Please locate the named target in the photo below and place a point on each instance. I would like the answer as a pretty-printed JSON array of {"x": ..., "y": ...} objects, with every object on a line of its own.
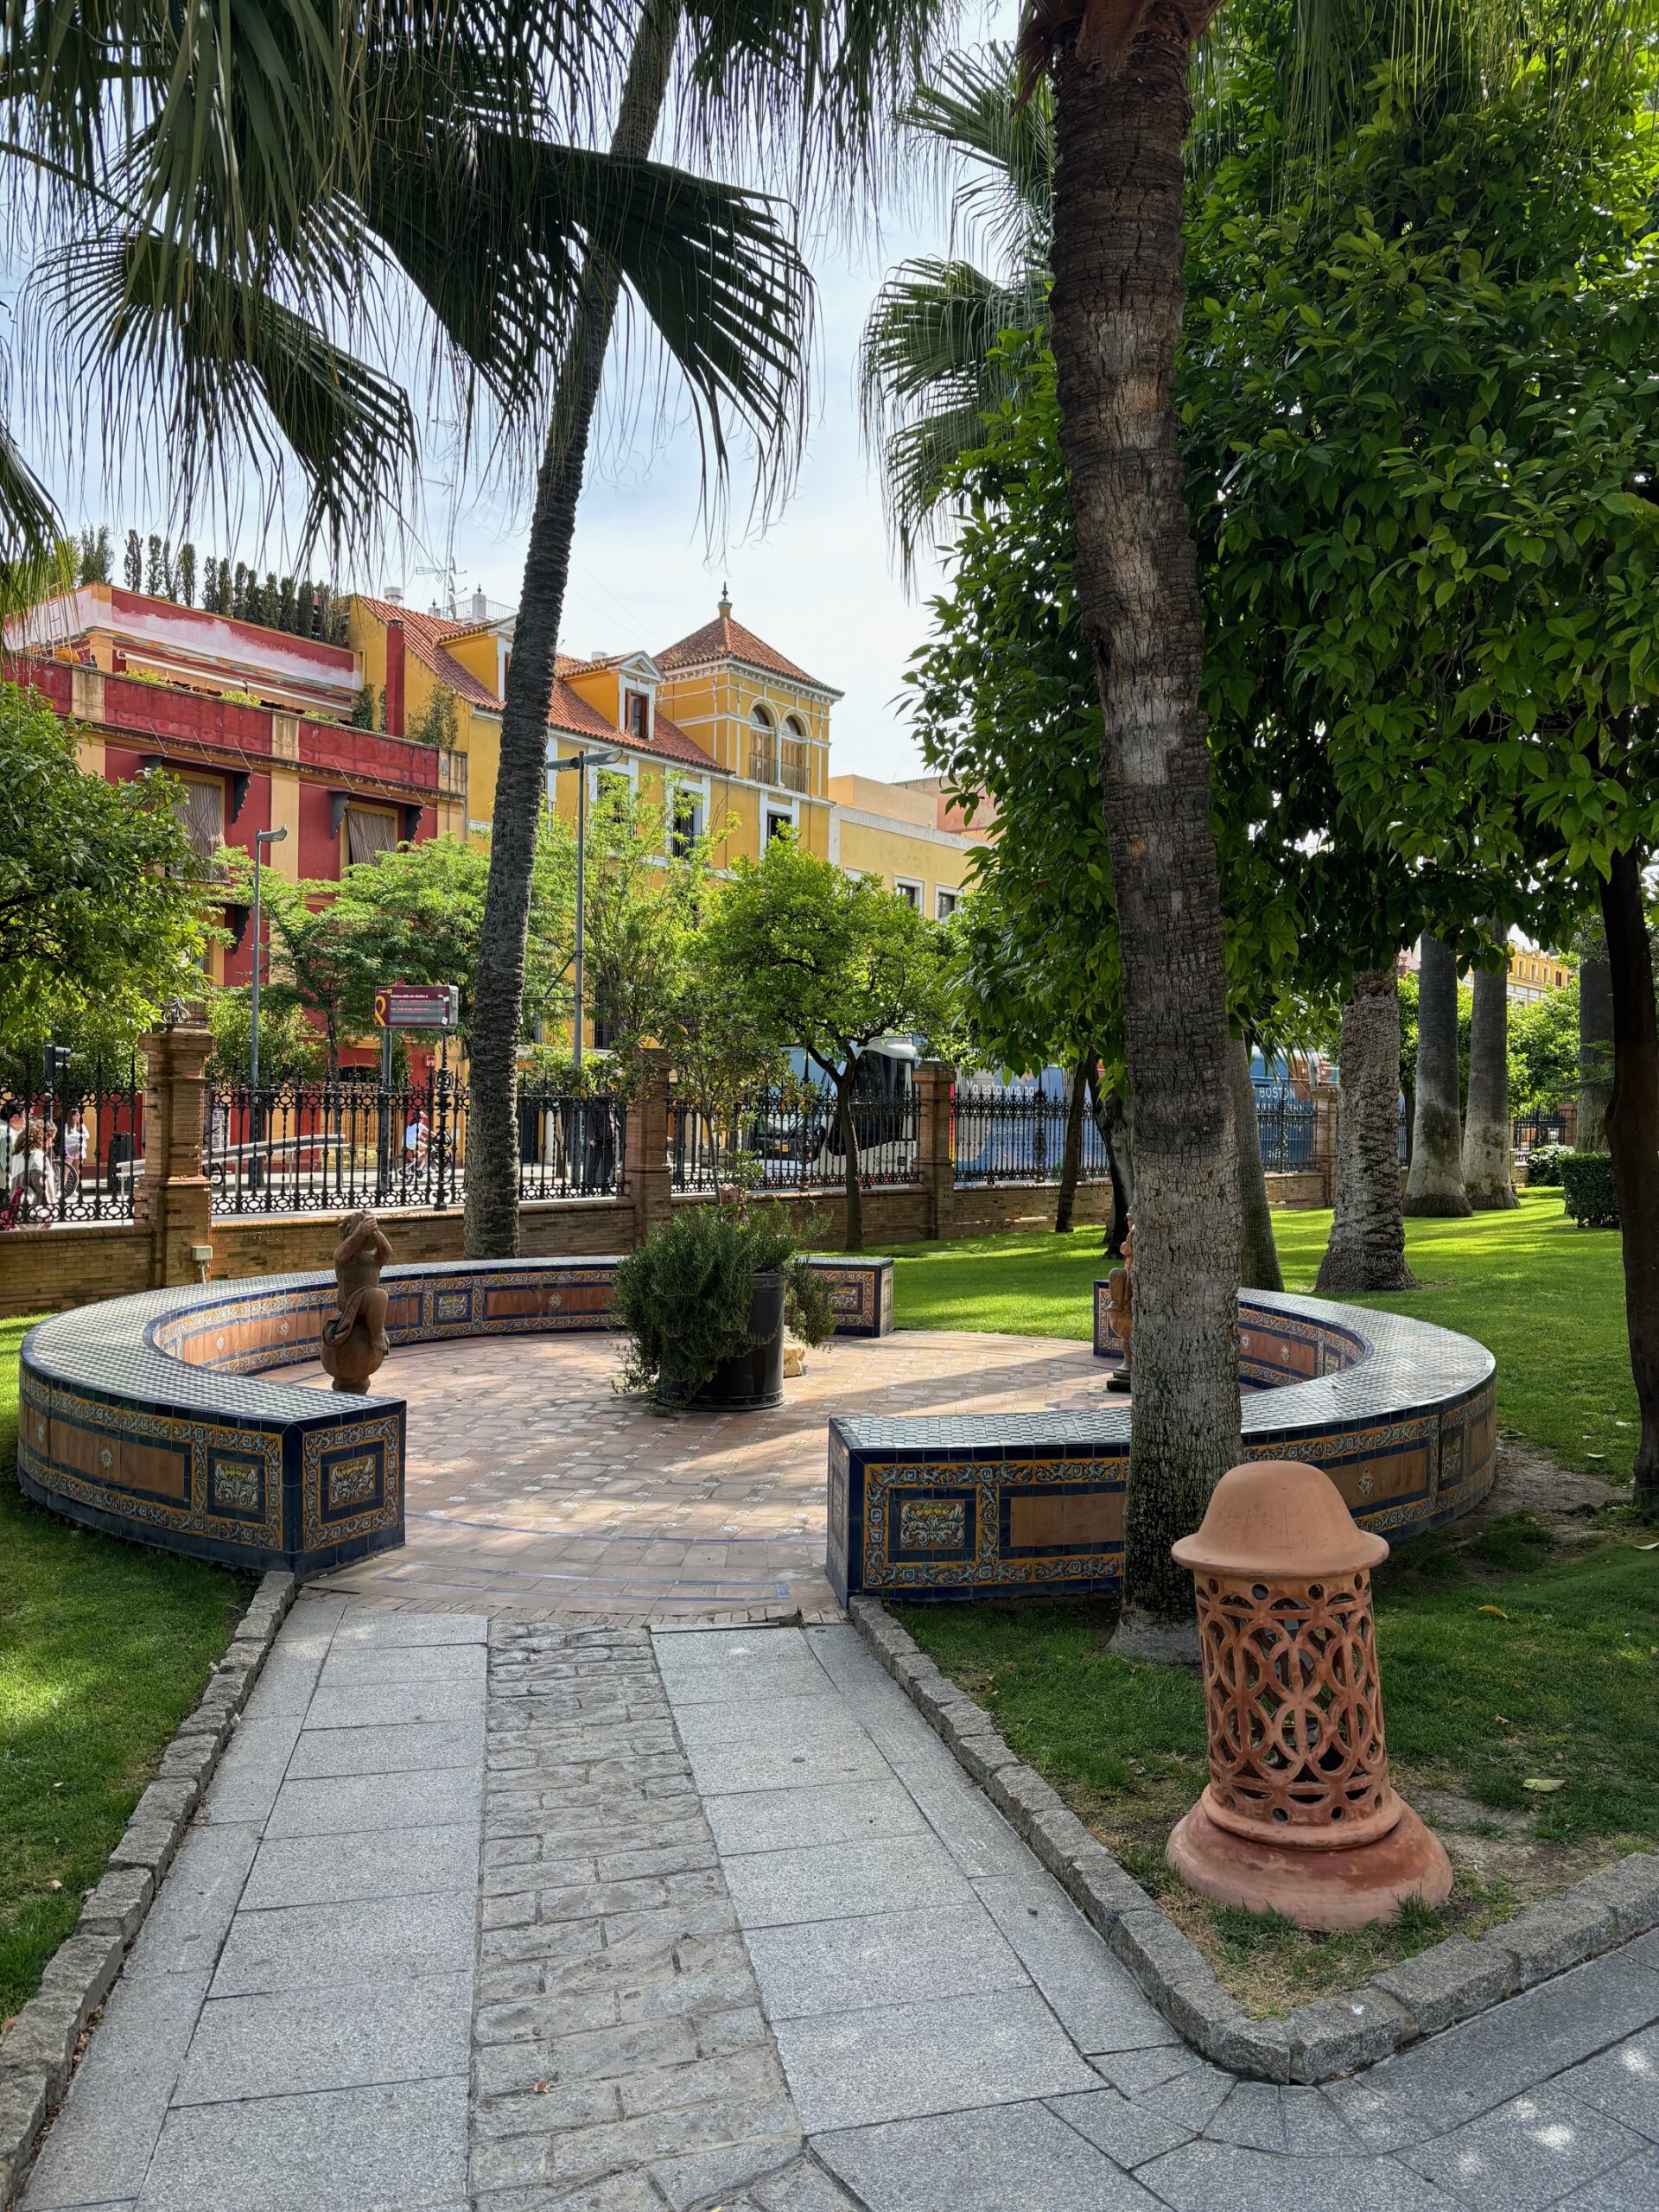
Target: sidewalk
[{"x": 515, "y": 1916}]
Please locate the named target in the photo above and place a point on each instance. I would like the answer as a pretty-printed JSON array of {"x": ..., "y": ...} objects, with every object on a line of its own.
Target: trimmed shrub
[
  {"x": 1587, "y": 1189},
  {"x": 1544, "y": 1165}
]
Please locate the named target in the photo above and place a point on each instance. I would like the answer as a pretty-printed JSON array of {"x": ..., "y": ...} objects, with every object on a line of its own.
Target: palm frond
[
  {"x": 968, "y": 115},
  {"x": 929, "y": 375},
  {"x": 714, "y": 272},
  {"x": 227, "y": 376}
]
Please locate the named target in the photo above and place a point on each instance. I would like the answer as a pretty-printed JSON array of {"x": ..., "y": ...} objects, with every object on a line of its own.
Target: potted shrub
[{"x": 705, "y": 1298}]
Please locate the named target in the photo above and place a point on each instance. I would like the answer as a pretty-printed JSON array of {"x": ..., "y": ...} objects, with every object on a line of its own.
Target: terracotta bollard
[{"x": 1299, "y": 1816}]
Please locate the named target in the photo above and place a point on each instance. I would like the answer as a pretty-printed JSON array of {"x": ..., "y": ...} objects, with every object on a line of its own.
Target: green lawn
[
  {"x": 1546, "y": 1297},
  {"x": 1513, "y": 1656},
  {"x": 104, "y": 1649}
]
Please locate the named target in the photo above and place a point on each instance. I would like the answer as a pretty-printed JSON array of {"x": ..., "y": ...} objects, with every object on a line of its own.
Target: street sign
[{"x": 416, "y": 1005}]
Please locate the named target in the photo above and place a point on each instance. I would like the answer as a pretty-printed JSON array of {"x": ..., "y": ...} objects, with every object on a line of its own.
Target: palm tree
[
  {"x": 1367, "y": 1250},
  {"x": 1486, "y": 1134},
  {"x": 1434, "y": 1184},
  {"x": 836, "y": 73},
  {"x": 928, "y": 369},
  {"x": 239, "y": 227}
]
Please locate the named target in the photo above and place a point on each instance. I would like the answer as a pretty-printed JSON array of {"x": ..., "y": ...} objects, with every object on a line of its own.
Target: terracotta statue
[
  {"x": 1120, "y": 1291},
  {"x": 354, "y": 1339}
]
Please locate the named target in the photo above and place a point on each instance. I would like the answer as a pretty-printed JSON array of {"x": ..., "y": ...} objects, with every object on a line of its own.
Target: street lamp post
[
  {"x": 580, "y": 762},
  {"x": 261, "y": 838}
]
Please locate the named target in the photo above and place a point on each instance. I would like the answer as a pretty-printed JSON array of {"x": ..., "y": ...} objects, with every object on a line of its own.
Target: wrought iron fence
[
  {"x": 793, "y": 1135},
  {"x": 72, "y": 1144},
  {"x": 1020, "y": 1137},
  {"x": 1528, "y": 1131},
  {"x": 320, "y": 1147},
  {"x": 1285, "y": 1125}
]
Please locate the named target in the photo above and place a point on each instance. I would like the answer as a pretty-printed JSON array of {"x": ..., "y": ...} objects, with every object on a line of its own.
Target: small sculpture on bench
[
  {"x": 1120, "y": 1291},
  {"x": 354, "y": 1340}
]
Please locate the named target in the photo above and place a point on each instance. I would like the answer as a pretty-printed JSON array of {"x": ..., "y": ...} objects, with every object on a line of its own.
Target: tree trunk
[
  {"x": 1112, "y": 1120},
  {"x": 1595, "y": 1051},
  {"x": 1434, "y": 1186},
  {"x": 1072, "y": 1159},
  {"x": 853, "y": 1195},
  {"x": 1633, "y": 1140},
  {"x": 1486, "y": 1132},
  {"x": 1258, "y": 1257},
  {"x": 1367, "y": 1249},
  {"x": 1116, "y": 316},
  {"x": 492, "y": 1132}
]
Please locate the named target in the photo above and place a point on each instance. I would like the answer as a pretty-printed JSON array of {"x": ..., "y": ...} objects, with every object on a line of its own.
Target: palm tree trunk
[
  {"x": 1486, "y": 1134},
  {"x": 1112, "y": 1120},
  {"x": 1633, "y": 1140},
  {"x": 1434, "y": 1186},
  {"x": 1258, "y": 1257},
  {"x": 1117, "y": 300},
  {"x": 1066, "y": 1198},
  {"x": 1367, "y": 1249},
  {"x": 853, "y": 1196},
  {"x": 492, "y": 1145},
  {"x": 1595, "y": 1051}
]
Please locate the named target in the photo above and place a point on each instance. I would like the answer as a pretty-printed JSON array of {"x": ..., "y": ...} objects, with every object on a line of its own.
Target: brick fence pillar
[
  {"x": 1325, "y": 1140},
  {"x": 172, "y": 1199},
  {"x": 934, "y": 1083},
  {"x": 650, "y": 1185}
]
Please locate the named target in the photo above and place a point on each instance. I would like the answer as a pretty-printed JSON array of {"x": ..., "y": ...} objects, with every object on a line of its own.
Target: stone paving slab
[
  {"x": 273, "y": 2044},
  {"x": 640, "y": 1931}
]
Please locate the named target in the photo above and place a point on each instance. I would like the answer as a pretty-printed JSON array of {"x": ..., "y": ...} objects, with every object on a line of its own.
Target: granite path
[{"x": 510, "y": 1916}]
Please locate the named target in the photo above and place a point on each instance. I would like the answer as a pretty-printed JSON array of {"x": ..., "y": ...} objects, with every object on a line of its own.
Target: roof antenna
[{"x": 725, "y": 599}]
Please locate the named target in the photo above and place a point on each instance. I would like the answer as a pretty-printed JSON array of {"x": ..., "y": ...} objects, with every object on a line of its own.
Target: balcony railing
[{"x": 783, "y": 765}]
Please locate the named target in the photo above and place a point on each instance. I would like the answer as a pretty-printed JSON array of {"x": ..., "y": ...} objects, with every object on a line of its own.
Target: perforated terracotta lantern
[{"x": 1299, "y": 1816}]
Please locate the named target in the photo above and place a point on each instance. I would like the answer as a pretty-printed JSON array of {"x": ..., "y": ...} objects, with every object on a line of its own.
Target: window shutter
[{"x": 368, "y": 835}]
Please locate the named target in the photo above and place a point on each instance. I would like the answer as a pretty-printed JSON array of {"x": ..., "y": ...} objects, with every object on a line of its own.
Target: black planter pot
[{"x": 755, "y": 1378}]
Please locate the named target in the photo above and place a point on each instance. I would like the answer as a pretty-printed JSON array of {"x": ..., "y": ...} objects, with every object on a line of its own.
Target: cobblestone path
[{"x": 499, "y": 1917}]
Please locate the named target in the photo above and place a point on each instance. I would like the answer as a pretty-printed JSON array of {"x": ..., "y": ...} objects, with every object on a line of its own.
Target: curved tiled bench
[
  {"x": 1397, "y": 1412},
  {"x": 147, "y": 1417}
]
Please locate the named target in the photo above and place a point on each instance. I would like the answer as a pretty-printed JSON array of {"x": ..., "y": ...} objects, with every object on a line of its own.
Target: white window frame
[
  {"x": 941, "y": 912},
  {"x": 699, "y": 787},
  {"x": 627, "y": 768},
  {"x": 904, "y": 884},
  {"x": 772, "y": 812}
]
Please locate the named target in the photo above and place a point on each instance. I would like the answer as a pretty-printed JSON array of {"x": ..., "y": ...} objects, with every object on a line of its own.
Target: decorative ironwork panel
[
  {"x": 1020, "y": 1137},
  {"x": 792, "y": 1134},
  {"x": 71, "y": 1137}
]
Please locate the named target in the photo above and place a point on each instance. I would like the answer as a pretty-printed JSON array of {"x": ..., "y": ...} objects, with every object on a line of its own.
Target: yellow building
[
  {"x": 907, "y": 836},
  {"x": 720, "y": 729},
  {"x": 1533, "y": 974}
]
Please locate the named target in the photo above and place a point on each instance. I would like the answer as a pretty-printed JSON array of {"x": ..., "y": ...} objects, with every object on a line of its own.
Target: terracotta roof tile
[
  {"x": 724, "y": 639},
  {"x": 426, "y": 637}
]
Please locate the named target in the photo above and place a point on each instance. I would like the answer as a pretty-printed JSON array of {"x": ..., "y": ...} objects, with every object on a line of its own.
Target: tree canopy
[{"x": 104, "y": 908}]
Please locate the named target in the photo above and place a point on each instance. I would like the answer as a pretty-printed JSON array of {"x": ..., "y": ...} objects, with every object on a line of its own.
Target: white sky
[{"x": 819, "y": 583}]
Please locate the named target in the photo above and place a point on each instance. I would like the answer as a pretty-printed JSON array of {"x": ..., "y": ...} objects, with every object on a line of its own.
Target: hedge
[
  {"x": 1544, "y": 1164},
  {"x": 1588, "y": 1189}
]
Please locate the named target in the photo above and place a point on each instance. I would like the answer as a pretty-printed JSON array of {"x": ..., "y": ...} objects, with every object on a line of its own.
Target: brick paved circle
[{"x": 536, "y": 1491}]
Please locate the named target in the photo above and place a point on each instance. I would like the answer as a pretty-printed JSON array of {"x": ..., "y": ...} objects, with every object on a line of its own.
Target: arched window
[
  {"x": 793, "y": 770},
  {"x": 763, "y": 746}
]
